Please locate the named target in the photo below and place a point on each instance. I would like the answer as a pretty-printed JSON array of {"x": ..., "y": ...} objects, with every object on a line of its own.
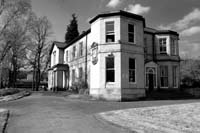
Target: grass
[
  {"x": 182, "y": 118},
  {"x": 3, "y": 119}
]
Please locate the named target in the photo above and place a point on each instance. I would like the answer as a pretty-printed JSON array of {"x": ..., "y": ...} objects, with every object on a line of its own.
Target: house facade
[{"x": 118, "y": 57}]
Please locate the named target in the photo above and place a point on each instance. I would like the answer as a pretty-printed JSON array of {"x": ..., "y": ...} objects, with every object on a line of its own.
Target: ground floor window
[
  {"x": 80, "y": 73},
  {"x": 174, "y": 73},
  {"x": 110, "y": 69},
  {"x": 163, "y": 76},
  {"x": 132, "y": 70},
  {"x": 73, "y": 75}
]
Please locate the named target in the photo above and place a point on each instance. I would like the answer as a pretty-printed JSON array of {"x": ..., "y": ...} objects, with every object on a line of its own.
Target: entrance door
[
  {"x": 151, "y": 82},
  {"x": 151, "y": 78}
]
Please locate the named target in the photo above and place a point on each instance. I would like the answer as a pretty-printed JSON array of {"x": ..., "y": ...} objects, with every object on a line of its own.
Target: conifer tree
[{"x": 72, "y": 29}]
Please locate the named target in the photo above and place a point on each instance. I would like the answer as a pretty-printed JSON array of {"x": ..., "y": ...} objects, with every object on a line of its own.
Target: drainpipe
[
  {"x": 86, "y": 59},
  {"x": 154, "y": 46}
]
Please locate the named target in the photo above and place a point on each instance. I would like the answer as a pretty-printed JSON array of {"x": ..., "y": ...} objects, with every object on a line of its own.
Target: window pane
[
  {"x": 80, "y": 72},
  {"x": 164, "y": 76},
  {"x": 110, "y": 76},
  {"x": 110, "y": 63},
  {"x": 130, "y": 28},
  {"x": 131, "y": 63},
  {"x": 162, "y": 42},
  {"x": 81, "y": 49},
  {"x": 109, "y": 27},
  {"x": 131, "y": 75},
  {"x": 110, "y": 35},
  {"x": 110, "y": 72},
  {"x": 131, "y": 37},
  {"x": 110, "y": 38},
  {"x": 73, "y": 75}
]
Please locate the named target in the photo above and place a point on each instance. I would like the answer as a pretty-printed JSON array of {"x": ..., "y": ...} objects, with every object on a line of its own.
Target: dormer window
[
  {"x": 131, "y": 35},
  {"x": 163, "y": 45},
  {"x": 110, "y": 32}
]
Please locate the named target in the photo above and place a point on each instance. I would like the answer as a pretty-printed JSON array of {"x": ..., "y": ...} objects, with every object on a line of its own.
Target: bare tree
[
  {"x": 10, "y": 12},
  {"x": 40, "y": 31}
]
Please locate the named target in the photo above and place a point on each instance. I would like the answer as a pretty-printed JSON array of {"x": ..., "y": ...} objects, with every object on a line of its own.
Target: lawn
[
  {"x": 3, "y": 119},
  {"x": 182, "y": 118}
]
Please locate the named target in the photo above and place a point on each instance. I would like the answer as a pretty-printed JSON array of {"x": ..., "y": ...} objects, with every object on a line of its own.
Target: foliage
[
  {"x": 10, "y": 91},
  {"x": 40, "y": 31},
  {"x": 72, "y": 30},
  {"x": 14, "y": 16},
  {"x": 190, "y": 73},
  {"x": 79, "y": 87}
]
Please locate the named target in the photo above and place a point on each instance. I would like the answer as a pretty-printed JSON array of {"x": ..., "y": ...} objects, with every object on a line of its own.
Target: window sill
[
  {"x": 164, "y": 87},
  {"x": 110, "y": 83},
  {"x": 132, "y": 82}
]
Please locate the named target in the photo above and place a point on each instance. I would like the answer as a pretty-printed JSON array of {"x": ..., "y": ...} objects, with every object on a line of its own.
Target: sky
[{"x": 182, "y": 16}]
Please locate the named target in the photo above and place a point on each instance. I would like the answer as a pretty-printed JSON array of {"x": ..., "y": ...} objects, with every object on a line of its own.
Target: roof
[
  {"x": 118, "y": 13},
  {"x": 60, "y": 45},
  {"x": 154, "y": 31},
  {"x": 167, "y": 32}
]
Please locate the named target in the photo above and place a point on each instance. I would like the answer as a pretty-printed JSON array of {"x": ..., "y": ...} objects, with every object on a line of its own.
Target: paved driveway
[{"x": 53, "y": 114}]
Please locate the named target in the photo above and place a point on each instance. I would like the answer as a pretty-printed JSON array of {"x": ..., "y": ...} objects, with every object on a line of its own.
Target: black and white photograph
[{"x": 99, "y": 66}]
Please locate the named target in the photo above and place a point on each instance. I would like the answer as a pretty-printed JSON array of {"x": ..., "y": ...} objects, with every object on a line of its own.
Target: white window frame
[
  {"x": 134, "y": 70},
  {"x": 107, "y": 33},
  {"x": 162, "y": 45},
  {"x": 154, "y": 74},
  {"x": 174, "y": 76},
  {"x": 131, "y": 33},
  {"x": 110, "y": 69},
  {"x": 73, "y": 52},
  {"x": 54, "y": 58},
  {"x": 164, "y": 76},
  {"x": 173, "y": 46},
  {"x": 73, "y": 75},
  {"x": 81, "y": 49},
  {"x": 66, "y": 56},
  {"x": 80, "y": 73}
]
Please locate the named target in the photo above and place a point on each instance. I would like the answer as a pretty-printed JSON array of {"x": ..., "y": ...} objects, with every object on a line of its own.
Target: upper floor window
[
  {"x": 81, "y": 48},
  {"x": 110, "y": 32},
  {"x": 163, "y": 45},
  {"x": 110, "y": 69},
  {"x": 131, "y": 34},
  {"x": 54, "y": 57},
  {"x": 132, "y": 70},
  {"x": 163, "y": 76},
  {"x": 173, "y": 47},
  {"x": 66, "y": 56},
  {"x": 74, "y": 52}
]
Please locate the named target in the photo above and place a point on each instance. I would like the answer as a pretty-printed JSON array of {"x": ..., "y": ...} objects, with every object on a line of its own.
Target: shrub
[
  {"x": 79, "y": 87},
  {"x": 8, "y": 91}
]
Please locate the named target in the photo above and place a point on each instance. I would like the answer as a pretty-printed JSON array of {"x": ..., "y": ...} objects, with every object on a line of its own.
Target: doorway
[{"x": 151, "y": 79}]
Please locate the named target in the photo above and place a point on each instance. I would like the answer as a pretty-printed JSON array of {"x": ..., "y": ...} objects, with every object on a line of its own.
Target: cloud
[
  {"x": 114, "y": 3},
  {"x": 191, "y": 31},
  {"x": 137, "y": 9},
  {"x": 187, "y": 21}
]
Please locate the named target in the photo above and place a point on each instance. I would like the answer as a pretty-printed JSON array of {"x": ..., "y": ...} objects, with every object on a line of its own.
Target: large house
[{"x": 119, "y": 57}]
